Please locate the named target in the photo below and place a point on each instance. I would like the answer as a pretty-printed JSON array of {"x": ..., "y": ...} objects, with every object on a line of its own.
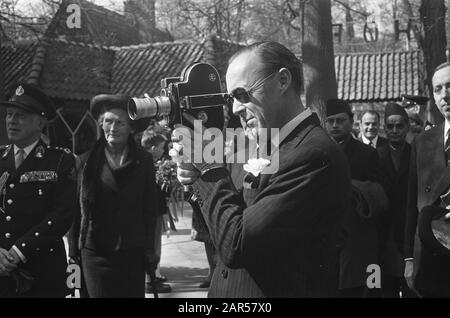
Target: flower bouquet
[
  {"x": 166, "y": 179},
  {"x": 166, "y": 176}
]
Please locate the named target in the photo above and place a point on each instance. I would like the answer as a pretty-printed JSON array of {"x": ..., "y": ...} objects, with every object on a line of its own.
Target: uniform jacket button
[
  {"x": 224, "y": 273},
  {"x": 8, "y": 235},
  {"x": 10, "y": 201},
  {"x": 49, "y": 223},
  {"x": 8, "y": 218},
  {"x": 428, "y": 189},
  {"x": 11, "y": 186},
  {"x": 23, "y": 244}
]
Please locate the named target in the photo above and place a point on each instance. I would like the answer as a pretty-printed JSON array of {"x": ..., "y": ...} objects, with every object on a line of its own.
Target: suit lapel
[
  {"x": 290, "y": 142},
  {"x": 7, "y": 160},
  {"x": 385, "y": 153},
  {"x": 108, "y": 178},
  {"x": 404, "y": 161},
  {"x": 434, "y": 150}
]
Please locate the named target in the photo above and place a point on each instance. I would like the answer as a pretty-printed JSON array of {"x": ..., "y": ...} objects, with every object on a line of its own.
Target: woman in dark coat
[{"x": 118, "y": 206}]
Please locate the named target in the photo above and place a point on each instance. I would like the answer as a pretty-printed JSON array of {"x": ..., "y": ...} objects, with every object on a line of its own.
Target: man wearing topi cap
[
  {"x": 38, "y": 198},
  {"x": 394, "y": 158},
  {"x": 359, "y": 233}
]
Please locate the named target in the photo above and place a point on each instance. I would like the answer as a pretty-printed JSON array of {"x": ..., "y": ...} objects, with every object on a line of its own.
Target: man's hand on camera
[
  {"x": 188, "y": 151},
  {"x": 182, "y": 136},
  {"x": 187, "y": 173}
]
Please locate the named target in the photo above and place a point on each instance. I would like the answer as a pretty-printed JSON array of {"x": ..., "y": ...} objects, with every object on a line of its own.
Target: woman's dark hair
[{"x": 275, "y": 56}]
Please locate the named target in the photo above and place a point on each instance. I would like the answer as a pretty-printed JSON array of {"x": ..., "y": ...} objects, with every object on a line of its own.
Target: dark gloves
[{"x": 23, "y": 280}]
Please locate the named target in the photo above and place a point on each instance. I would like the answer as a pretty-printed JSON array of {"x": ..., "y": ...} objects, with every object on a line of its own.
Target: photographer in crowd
[{"x": 281, "y": 241}]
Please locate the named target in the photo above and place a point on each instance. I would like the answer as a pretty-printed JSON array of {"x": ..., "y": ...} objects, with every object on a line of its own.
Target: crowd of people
[{"x": 337, "y": 204}]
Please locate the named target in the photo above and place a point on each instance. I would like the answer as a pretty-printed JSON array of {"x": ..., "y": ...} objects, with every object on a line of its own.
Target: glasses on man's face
[
  {"x": 398, "y": 126},
  {"x": 242, "y": 95}
]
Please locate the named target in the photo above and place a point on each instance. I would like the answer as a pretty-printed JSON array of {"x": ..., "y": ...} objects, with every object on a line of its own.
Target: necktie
[
  {"x": 370, "y": 143},
  {"x": 20, "y": 157},
  {"x": 447, "y": 148}
]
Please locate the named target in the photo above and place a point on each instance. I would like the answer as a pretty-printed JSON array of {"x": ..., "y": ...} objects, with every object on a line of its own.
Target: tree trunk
[
  {"x": 349, "y": 25},
  {"x": 3, "y": 136},
  {"x": 432, "y": 14},
  {"x": 416, "y": 31},
  {"x": 318, "y": 56},
  {"x": 2, "y": 78}
]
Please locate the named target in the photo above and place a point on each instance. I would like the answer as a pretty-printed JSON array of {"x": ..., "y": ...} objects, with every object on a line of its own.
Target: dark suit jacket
[
  {"x": 428, "y": 179},
  {"x": 393, "y": 222},
  {"x": 380, "y": 142},
  {"x": 281, "y": 240},
  {"x": 360, "y": 236},
  {"x": 39, "y": 202}
]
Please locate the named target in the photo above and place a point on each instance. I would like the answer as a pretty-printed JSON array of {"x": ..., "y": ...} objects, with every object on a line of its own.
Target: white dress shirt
[
  {"x": 27, "y": 150},
  {"x": 446, "y": 128},
  {"x": 367, "y": 141}
]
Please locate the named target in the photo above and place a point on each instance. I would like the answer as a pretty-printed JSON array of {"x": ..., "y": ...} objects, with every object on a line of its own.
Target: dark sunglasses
[
  {"x": 392, "y": 126},
  {"x": 242, "y": 95}
]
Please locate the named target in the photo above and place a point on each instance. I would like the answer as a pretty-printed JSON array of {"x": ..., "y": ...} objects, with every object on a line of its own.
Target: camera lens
[{"x": 148, "y": 107}]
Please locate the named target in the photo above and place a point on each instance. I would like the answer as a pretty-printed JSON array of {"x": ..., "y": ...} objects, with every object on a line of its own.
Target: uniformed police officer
[
  {"x": 415, "y": 107},
  {"x": 37, "y": 200}
]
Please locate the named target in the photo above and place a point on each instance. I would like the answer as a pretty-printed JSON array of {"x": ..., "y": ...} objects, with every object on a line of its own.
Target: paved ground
[{"x": 183, "y": 260}]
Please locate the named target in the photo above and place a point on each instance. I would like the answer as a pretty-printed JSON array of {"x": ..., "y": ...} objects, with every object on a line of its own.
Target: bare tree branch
[{"x": 347, "y": 7}]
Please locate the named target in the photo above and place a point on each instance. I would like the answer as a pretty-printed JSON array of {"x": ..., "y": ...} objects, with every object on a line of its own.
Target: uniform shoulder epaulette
[
  {"x": 4, "y": 150},
  {"x": 66, "y": 150}
]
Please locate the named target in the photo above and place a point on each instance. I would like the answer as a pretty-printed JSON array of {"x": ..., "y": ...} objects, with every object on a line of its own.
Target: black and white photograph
[{"x": 224, "y": 153}]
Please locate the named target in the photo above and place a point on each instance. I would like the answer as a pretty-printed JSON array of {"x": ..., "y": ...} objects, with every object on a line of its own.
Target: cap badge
[{"x": 20, "y": 90}]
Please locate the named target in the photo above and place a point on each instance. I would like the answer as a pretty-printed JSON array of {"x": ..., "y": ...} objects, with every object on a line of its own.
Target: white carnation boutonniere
[{"x": 254, "y": 167}]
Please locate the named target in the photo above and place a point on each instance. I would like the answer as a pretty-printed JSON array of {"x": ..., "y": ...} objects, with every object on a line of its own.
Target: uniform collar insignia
[
  {"x": 20, "y": 90},
  {"x": 6, "y": 151},
  {"x": 39, "y": 152}
]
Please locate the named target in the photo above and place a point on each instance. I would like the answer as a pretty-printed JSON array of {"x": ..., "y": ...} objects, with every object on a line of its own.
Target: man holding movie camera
[{"x": 279, "y": 238}]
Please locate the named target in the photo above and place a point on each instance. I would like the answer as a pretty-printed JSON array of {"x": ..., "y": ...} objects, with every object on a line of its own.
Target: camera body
[{"x": 196, "y": 92}]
